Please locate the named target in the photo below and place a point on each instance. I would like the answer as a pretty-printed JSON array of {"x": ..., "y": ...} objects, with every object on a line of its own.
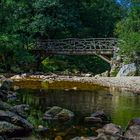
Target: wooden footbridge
[{"x": 102, "y": 47}]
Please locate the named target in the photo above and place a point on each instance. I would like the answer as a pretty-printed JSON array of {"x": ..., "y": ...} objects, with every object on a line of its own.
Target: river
[{"x": 121, "y": 106}]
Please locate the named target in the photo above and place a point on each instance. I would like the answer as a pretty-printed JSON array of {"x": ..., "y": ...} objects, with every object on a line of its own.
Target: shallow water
[{"x": 121, "y": 106}]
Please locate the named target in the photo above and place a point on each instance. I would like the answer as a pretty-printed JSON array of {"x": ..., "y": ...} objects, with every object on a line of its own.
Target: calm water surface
[{"x": 121, "y": 106}]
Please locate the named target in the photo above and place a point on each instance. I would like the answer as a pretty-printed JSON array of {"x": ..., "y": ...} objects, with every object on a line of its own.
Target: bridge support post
[{"x": 105, "y": 59}]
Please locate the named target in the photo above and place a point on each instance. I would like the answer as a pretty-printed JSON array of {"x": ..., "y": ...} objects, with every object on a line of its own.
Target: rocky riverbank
[
  {"x": 13, "y": 121},
  {"x": 123, "y": 83}
]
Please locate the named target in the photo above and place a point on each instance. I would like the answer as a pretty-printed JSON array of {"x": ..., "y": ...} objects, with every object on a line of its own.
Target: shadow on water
[{"x": 121, "y": 106}]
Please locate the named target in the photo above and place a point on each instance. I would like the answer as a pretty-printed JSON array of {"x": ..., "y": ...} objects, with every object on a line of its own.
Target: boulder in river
[
  {"x": 97, "y": 117},
  {"x": 20, "y": 109},
  {"x": 58, "y": 113},
  {"x": 133, "y": 129},
  {"x": 52, "y": 112},
  {"x": 127, "y": 70},
  {"x": 133, "y": 132},
  {"x": 109, "y": 132},
  {"x": 65, "y": 115},
  {"x": 15, "y": 119}
]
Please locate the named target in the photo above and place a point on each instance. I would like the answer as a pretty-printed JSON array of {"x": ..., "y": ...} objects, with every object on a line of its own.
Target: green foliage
[
  {"x": 129, "y": 31},
  {"x": 13, "y": 38},
  {"x": 12, "y": 54},
  {"x": 54, "y": 18},
  {"x": 75, "y": 64},
  {"x": 99, "y": 17},
  {"x": 23, "y": 22}
]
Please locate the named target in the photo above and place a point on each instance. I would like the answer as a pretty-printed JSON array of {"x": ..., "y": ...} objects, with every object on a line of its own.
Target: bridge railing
[{"x": 78, "y": 45}]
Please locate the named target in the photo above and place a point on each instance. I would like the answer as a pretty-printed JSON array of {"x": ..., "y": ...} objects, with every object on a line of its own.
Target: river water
[{"x": 121, "y": 106}]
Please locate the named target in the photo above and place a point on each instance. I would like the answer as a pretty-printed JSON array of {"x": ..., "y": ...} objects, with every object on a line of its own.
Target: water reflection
[{"x": 122, "y": 106}]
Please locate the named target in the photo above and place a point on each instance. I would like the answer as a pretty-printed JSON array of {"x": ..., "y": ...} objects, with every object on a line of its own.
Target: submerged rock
[
  {"x": 93, "y": 120},
  {"x": 58, "y": 113},
  {"x": 101, "y": 114}
]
